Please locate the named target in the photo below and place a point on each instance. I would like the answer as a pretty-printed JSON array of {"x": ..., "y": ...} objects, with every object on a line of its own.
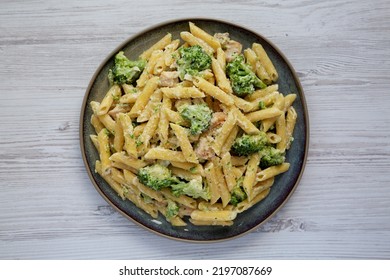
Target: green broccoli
[
  {"x": 199, "y": 115},
  {"x": 249, "y": 144},
  {"x": 262, "y": 105},
  {"x": 172, "y": 209},
  {"x": 193, "y": 188},
  {"x": 243, "y": 80},
  {"x": 271, "y": 156},
  {"x": 238, "y": 194},
  {"x": 156, "y": 176},
  {"x": 192, "y": 61},
  {"x": 125, "y": 71}
]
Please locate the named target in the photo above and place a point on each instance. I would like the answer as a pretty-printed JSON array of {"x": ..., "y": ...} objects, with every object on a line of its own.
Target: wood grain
[{"x": 49, "y": 50}]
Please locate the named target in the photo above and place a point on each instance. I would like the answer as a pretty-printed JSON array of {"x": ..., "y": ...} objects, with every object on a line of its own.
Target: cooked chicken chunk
[
  {"x": 169, "y": 78},
  {"x": 232, "y": 49}
]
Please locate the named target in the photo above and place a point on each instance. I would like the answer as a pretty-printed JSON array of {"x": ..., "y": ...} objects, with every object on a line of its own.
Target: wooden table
[{"x": 49, "y": 51}]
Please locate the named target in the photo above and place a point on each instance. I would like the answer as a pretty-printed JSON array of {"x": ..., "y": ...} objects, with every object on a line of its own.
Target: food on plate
[{"x": 194, "y": 129}]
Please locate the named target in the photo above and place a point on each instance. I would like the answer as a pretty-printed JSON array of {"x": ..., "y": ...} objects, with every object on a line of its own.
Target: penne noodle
[
  {"x": 265, "y": 61},
  {"x": 244, "y": 122},
  {"x": 221, "y": 58},
  {"x": 143, "y": 98},
  {"x": 111, "y": 182},
  {"x": 273, "y": 138},
  {"x": 129, "y": 161},
  {"x": 246, "y": 204},
  {"x": 104, "y": 151},
  {"x": 272, "y": 171},
  {"x": 228, "y": 171},
  {"x": 262, "y": 92},
  {"x": 223, "y": 188},
  {"x": 182, "y": 199},
  {"x": 230, "y": 140},
  {"x": 163, "y": 126},
  {"x": 96, "y": 123},
  {"x": 291, "y": 120},
  {"x": 128, "y": 137},
  {"x": 224, "y": 132},
  {"x": 182, "y": 92},
  {"x": 201, "y": 34},
  {"x": 250, "y": 174},
  {"x": 220, "y": 76},
  {"x": 211, "y": 216},
  {"x": 193, "y": 41},
  {"x": 264, "y": 114},
  {"x": 165, "y": 154},
  {"x": 211, "y": 223},
  {"x": 113, "y": 93},
  {"x": 213, "y": 91},
  {"x": 261, "y": 186},
  {"x": 166, "y": 40},
  {"x": 186, "y": 147},
  {"x": 212, "y": 182}
]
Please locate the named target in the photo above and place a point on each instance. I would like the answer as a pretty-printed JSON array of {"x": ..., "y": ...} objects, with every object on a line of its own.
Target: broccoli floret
[
  {"x": 172, "y": 209},
  {"x": 125, "y": 71},
  {"x": 156, "y": 176},
  {"x": 192, "y": 61},
  {"x": 249, "y": 144},
  {"x": 199, "y": 115},
  {"x": 193, "y": 188},
  {"x": 271, "y": 156},
  {"x": 238, "y": 194},
  {"x": 243, "y": 80},
  {"x": 262, "y": 105}
]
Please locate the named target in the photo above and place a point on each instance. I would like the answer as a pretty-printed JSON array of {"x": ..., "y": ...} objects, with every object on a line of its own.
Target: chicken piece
[
  {"x": 169, "y": 78},
  {"x": 223, "y": 38},
  {"x": 217, "y": 119},
  {"x": 203, "y": 150},
  {"x": 232, "y": 48}
]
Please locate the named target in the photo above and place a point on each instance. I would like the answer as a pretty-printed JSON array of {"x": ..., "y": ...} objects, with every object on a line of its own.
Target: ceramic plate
[{"x": 284, "y": 184}]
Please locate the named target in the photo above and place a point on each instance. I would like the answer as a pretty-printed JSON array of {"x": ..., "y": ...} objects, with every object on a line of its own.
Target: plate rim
[{"x": 154, "y": 27}]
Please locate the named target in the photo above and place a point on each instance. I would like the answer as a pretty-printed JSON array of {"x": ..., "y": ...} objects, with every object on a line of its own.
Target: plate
[{"x": 284, "y": 185}]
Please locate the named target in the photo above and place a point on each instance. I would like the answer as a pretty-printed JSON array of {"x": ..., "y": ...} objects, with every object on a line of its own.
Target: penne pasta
[
  {"x": 201, "y": 34},
  {"x": 193, "y": 41},
  {"x": 126, "y": 135},
  {"x": 165, "y": 154},
  {"x": 126, "y": 160},
  {"x": 166, "y": 40},
  {"x": 186, "y": 147},
  {"x": 113, "y": 93},
  {"x": 223, "y": 188},
  {"x": 250, "y": 174},
  {"x": 291, "y": 120},
  {"x": 182, "y": 92},
  {"x": 143, "y": 98},
  {"x": 220, "y": 76},
  {"x": 213, "y": 91},
  {"x": 265, "y": 61},
  {"x": 226, "y": 162},
  {"x": 223, "y": 134},
  {"x": 263, "y": 114},
  {"x": 272, "y": 171},
  {"x": 104, "y": 151},
  {"x": 211, "y": 216},
  {"x": 167, "y": 140},
  {"x": 212, "y": 182}
]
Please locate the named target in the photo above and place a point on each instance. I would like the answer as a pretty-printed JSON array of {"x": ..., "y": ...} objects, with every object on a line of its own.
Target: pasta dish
[{"x": 194, "y": 129}]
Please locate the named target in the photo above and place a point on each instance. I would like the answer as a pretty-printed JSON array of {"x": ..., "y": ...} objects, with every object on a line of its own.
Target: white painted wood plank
[{"x": 48, "y": 52}]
